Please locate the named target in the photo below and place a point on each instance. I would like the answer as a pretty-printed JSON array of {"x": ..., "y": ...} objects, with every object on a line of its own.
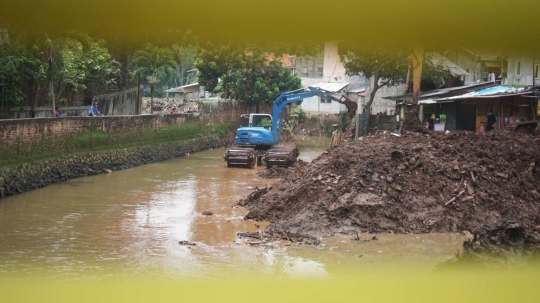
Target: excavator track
[
  {"x": 241, "y": 157},
  {"x": 282, "y": 156}
]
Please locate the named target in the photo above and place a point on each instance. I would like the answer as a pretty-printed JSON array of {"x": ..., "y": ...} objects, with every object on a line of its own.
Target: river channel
[{"x": 129, "y": 224}]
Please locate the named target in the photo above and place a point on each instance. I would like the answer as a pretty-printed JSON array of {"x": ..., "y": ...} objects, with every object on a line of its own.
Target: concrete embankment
[{"x": 40, "y": 173}]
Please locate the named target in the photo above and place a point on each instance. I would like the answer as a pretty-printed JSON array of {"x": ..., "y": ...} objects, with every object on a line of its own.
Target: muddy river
[{"x": 129, "y": 223}]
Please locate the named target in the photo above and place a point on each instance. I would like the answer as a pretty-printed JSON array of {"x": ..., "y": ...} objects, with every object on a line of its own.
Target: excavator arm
[{"x": 294, "y": 96}]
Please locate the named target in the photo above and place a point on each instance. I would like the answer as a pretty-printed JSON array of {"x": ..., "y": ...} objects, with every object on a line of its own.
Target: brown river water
[{"x": 128, "y": 224}]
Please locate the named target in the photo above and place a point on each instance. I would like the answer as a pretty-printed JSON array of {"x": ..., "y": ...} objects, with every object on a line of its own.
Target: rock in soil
[{"x": 415, "y": 183}]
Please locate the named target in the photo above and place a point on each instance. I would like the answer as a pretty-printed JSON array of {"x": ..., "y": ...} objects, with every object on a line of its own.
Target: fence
[{"x": 23, "y": 140}]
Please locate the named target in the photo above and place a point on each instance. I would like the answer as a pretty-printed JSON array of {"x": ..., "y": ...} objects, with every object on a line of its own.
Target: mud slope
[{"x": 411, "y": 184}]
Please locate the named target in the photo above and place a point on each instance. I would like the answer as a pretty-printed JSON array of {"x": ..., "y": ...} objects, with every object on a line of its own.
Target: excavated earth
[{"x": 416, "y": 183}]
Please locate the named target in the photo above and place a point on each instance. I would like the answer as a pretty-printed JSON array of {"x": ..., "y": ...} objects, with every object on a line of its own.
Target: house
[
  {"x": 509, "y": 104},
  {"x": 316, "y": 105},
  {"x": 481, "y": 65},
  {"x": 523, "y": 69},
  {"x": 326, "y": 71},
  {"x": 190, "y": 91}
]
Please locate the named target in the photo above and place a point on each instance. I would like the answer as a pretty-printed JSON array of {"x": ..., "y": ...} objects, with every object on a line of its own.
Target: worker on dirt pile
[{"x": 491, "y": 120}]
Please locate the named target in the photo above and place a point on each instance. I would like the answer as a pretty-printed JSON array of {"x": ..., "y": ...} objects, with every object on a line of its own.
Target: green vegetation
[
  {"x": 99, "y": 141},
  {"x": 154, "y": 63},
  {"x": 249, "y": 75}
]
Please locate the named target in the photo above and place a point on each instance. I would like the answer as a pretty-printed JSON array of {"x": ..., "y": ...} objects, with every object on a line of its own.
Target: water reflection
[{"x": 129, "y": 223}]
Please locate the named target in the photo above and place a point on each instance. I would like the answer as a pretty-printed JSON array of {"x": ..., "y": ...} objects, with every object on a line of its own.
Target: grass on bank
[{"x": 90, "y": 141}]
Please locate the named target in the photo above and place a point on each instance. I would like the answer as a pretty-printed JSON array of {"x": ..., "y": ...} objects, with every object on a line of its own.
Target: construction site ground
[{"x": 415, "y": 183}]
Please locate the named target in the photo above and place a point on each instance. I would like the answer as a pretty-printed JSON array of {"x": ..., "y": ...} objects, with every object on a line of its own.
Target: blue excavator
[{"x": 260, "y": 139}]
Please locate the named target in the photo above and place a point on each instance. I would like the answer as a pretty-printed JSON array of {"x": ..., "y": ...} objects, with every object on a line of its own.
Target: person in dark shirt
[{"x": 491, "y": 120}]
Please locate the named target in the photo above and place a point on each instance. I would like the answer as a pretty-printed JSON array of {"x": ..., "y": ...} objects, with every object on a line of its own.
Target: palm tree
[{"x": 154, "y": 63}]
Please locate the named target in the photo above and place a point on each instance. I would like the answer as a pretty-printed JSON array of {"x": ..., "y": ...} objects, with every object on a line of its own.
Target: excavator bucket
[
  {"x": 241, "y": 157},
  {"x": 282, "y": 156},
  {"x": 528, "y": 127}
]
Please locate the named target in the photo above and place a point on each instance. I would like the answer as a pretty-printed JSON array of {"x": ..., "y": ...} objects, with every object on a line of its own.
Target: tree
[
  {"x": 262, "y": 79},
  {"x": 219, "y": 63},
  {"x": 185, "y": 56},
  {"x": 385, "y": 67},
  {"x": 13, "y": 62},
  {"x": 382, "y": 66},
  {"x": 154, "y": 63}
]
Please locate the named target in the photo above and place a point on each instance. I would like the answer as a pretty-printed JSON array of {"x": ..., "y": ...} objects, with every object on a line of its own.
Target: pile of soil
[
  {"x": 281, "y": 172},
  {"x": 415, "y": 183}
]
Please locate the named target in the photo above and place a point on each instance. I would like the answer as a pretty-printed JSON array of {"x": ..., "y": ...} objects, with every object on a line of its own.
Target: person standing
[
  {"x": 93, "y": 111},
  {"x": 491, "y": 120},
  {"x": 57, "y": 112},
  {"x": 481, "y": 128}
]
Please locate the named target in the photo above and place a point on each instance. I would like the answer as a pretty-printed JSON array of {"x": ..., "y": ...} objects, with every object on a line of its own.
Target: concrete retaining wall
[{"x": 26, "y": 177}]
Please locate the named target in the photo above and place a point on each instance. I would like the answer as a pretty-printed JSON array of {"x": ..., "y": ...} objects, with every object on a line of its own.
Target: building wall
[
  {"x": 18, "y": 131},
  {"x": 379, "y": 103},
  {"x": 314, "y": 106},
  {"x": 310, "y": 67},
  {"x": 333, "y": 70},
  {"x": 528, "y": 63}
]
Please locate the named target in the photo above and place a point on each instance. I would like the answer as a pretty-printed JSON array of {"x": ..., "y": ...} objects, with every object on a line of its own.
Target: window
[
  {"x": 536, "y": 66},
  {"x": 320, "y": 71},
  {"x": 304, "y": 71},
  {"x": 324, "y": 100},
  {"x": 518, "y": 69}
]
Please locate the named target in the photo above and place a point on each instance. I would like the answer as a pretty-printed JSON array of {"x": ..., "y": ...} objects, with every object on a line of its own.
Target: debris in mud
[
  {"x": 207, "y": 213},
  {"x": 507, "y": 244},
  {"x": 259, "y": 237},
  {"x": 184, "y": 242},
  {"x": 415, "y": 183}
]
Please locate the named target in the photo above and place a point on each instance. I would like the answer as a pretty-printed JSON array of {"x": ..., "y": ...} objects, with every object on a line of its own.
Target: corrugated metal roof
[
  {"x": 333, "y": 87},
  {"x": 442, "y": 91},
  {"x": 455, "y": 70},
  {"x": 180, "y": 89},
  {"x": 492, "y": 92}
]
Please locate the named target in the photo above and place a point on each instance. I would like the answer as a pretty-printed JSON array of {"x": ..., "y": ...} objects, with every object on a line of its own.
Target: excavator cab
[{"x": 260, "y": 120}]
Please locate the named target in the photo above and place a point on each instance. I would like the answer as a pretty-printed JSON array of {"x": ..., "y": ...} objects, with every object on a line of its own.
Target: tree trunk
[
  {"x": 257, "y": 108},
  {"x": 370, "y": 101}
]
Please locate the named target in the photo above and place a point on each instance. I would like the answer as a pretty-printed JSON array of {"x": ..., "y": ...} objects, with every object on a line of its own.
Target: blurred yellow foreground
[{"x": 402, "y": 287}]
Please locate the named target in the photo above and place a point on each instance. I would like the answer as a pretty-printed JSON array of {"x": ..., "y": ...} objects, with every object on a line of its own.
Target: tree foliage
[
  {"x": 155, "y": 64},
  {"x": 262, "y": 78},
  {"x": 219, "y": 63},
  {"x": 250, "y": 75},
  {"x": 386, "y": 66}
]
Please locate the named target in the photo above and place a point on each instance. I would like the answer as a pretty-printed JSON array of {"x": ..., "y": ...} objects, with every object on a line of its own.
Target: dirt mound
[
  {"x": 280, "y": 172},
  {"x": 410, "y": 184}
]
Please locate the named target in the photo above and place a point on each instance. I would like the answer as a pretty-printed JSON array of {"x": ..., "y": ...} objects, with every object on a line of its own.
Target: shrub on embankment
[{"x": 39, "y": 173}]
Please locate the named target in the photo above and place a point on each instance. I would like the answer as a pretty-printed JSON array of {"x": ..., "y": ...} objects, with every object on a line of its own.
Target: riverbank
[{"x": 39, "y": 173}]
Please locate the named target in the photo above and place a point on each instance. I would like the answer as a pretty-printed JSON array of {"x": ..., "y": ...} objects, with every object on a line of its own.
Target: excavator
[{"x": 259, "y": 141}]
